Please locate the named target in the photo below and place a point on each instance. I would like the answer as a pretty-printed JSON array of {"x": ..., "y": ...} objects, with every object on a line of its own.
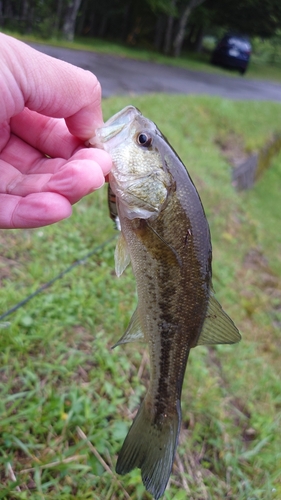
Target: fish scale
[{"x": 165, "y": 235}]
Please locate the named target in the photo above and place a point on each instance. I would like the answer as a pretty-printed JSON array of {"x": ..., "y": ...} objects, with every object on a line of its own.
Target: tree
[
  {"x": 169, "y": 30},
  {"x": 166, "y": 24},
  {"x": 186, "y": 13},
  {"x": 68, "y": 28},
  {"x": 254, "y": 18}
]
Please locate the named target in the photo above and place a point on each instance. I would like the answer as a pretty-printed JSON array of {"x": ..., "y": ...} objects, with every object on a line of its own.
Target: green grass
[
  {"x": 67, "y": 399},
  {"x": 259, "y": 67}
]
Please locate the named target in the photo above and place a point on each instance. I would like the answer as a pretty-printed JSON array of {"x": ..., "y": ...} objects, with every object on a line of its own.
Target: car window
[{"x": 240, "y": 44}]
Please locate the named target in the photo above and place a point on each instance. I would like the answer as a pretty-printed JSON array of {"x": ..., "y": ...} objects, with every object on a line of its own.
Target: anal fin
[{"x": 218, "y": 327}]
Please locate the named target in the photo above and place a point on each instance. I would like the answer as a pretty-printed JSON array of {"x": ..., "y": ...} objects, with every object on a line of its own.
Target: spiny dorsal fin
[
  {"x": 218, "y": 328},
  {"x": 122, "y": 257},
  {"x": 134, "y": 331}
]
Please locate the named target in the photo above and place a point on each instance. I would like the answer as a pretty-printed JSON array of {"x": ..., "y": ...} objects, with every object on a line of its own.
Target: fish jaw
[{"x": 115, "y": 129}]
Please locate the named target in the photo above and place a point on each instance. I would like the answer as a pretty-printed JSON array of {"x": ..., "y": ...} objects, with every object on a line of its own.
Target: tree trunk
[
  {"x": 182, "y": 25},
  {"x": 168, "y": 36},
  {"x": 103, "y": 26},
  {"x": 1, "y": 14},
  {"x": 70, "y": 20},
  {"x": 89, "y": 28},
  {"x": 24, "y": 10},
  {"x": 199, "y": 40},
  {"x": 195, "y": 37},
  {"x": 58, "y": 17},
  {"x": 30, "y": 20},
  {"x": 159, "y": 31},
  {"x": 81, "y": 20},
  {"x": 126, "y": 21},
  {"x": 169, "y": 28}
]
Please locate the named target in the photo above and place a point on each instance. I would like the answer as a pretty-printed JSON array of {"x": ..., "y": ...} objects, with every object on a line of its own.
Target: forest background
[{"x": 166, "y": 26}]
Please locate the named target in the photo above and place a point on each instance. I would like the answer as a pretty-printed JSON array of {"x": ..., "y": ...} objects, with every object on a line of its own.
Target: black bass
[{"x": 165, "y": 235}]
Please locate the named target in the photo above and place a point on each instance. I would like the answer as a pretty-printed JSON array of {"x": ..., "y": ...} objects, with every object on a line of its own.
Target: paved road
[{"x": 120, "y": 76}]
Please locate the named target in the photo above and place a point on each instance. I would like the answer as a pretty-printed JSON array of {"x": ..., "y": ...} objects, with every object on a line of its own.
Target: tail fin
[{"x": 151, "y": 447}]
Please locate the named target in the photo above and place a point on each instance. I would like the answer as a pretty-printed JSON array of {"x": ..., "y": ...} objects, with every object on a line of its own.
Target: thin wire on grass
[
  {"x": 52, "y": 281},
  {"x": 182, "y": 474},
  {"x": 144, "y": 363},
  {"x": 194, "y": 471},
  {"x": 83, "y": 436},
  {"x": 10, "y": 474},
  {"x": 50, "y": 465}
]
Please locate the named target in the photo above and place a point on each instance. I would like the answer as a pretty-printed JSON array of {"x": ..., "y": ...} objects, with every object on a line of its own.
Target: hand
[{"x": 48, "y": 109}]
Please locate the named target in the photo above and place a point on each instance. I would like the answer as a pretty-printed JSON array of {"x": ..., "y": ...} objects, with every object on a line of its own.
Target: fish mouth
[{"x": 116, "y": 125}]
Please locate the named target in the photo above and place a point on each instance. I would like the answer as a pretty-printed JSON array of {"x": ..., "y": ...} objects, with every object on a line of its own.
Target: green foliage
[
  {"x": 149, "y": 23},
  {"x": 163, "y": 6},
  {"x": 256, "y": 18},
  {"x": 267, "y": 51},
  {"x": 67, "y": 399}
]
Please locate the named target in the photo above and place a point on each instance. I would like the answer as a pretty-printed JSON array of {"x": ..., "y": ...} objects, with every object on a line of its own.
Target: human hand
[{"x": 48, "y": 109}]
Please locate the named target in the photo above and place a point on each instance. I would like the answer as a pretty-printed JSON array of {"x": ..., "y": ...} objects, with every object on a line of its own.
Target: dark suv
[{"x": 233, "y": 51}]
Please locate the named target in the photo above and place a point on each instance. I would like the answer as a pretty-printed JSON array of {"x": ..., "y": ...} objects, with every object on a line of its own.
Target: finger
[
  {"x": 28, "y": 160},
  {"x": 72, "y": 182},
  {"x": 35, "y": 210},
  {"x": 21, "y": 155},
  {"x": 51, "y": 87},
  {"x": 14, "y": 183},
  {"x": 49, "y": 135},
  {"x": 73, "y": 179}
]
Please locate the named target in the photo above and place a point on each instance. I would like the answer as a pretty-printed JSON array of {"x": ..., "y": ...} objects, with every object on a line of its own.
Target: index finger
[{"x": 50, "y": 87}]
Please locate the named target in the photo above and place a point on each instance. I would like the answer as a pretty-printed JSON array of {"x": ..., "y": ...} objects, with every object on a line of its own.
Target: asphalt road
[{"x": 121, "y": 76}]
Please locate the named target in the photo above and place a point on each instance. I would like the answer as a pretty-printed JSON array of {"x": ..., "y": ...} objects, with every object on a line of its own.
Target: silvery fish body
[{"x": 165, "y": 235}]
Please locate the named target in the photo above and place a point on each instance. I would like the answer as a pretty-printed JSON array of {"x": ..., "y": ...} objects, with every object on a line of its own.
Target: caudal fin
[{"x": 151, "y": 447}]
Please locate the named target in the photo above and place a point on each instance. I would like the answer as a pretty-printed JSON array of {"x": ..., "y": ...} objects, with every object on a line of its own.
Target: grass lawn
[{"x": 67, "y": 399}]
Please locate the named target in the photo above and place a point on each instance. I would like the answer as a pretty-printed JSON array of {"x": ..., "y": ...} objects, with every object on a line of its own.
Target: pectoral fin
[
  {"x": 176, "y": 256},
  {"x": 218, "y": 328},
  {"x": 134, "y": 331},
  {"x": 122, "y": 257}
]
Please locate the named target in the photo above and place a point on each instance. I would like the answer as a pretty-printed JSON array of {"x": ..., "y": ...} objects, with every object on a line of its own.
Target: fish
[
  {"x": 112, "y": 207},
  {"x": 166, "y": 238}
]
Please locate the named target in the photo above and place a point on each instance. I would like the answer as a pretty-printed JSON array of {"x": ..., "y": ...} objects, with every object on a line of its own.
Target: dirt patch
[
  {"x": 232, "y": 148},
  {"x": 7, "y": 269},
  {"x": 251, "y": 170},
  {"x": 262, "y": 279},
  {"x": 14, "y": 251}
]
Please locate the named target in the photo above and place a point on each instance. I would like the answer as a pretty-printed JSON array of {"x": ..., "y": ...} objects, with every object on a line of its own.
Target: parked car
[{"x": 233, "y": 51}]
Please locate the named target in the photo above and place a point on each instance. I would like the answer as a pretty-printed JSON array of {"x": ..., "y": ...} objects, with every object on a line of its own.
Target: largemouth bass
[{"x": 165, "y": 235}]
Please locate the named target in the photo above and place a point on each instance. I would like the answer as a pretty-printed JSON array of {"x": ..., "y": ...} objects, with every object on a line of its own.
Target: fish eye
[{"x": 144, "y": 139}]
